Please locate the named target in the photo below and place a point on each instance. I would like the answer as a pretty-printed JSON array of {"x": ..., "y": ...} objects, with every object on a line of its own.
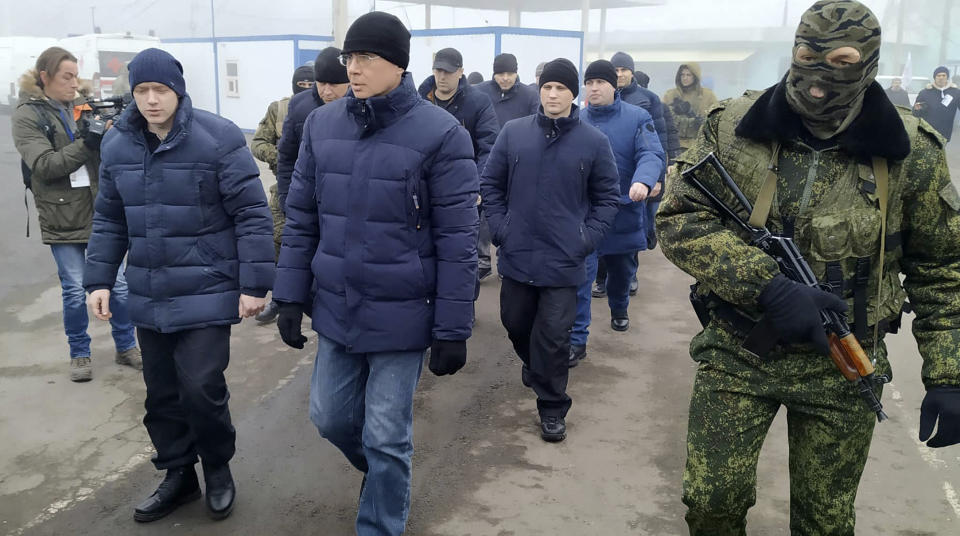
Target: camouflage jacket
[
  {"x": 829, "y": 196},
  {"x": 264, "y": 142}
]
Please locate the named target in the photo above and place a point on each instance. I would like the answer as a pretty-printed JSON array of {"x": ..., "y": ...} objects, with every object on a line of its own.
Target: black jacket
[
  {"x": 288, "y": 146},
  {"x": 519, "y": 101},
  {"x": 473, "y": 109},
  {"x": 550, "y": 191}
]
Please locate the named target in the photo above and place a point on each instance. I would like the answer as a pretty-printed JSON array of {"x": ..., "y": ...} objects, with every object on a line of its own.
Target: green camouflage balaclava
[{"x": 825, "y": 27}]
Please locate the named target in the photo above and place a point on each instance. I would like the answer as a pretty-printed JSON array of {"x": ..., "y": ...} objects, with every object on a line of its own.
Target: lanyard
[{"x": 63, "y": 119}]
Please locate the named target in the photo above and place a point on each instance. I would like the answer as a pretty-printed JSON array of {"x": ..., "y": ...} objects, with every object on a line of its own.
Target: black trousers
[
  {"x": 538, "y": 322},
  {"x": 187, "y": 413}
]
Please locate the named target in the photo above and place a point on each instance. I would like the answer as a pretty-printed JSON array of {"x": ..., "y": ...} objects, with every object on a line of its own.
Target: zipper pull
[{"x": 416, "y": 205}]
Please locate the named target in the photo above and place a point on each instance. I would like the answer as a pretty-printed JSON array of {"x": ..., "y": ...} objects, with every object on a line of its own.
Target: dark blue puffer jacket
[
  {"x": 519, "y": 101},
  {"x": 550, "y": 192},
  {"x": 191, "y": 217},
  {"x": 382, "y": 211},
  {"x": 288, "y": 146},
  {"x": 638, "y": 95},
  {"x": 473, "y": 109},
  {"x": 640, "y": 158}
]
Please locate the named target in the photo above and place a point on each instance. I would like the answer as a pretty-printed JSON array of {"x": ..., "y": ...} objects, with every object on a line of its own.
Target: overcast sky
[{"x": 191, "y": 18}]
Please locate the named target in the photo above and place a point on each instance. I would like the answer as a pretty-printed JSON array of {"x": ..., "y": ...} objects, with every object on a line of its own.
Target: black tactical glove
[
  {"x": 288, "y": 324},
  {"x": 91, "y": 140},
  {"x": 447, "y": 357},
  {"x": 793, "y": 310},
  {"x": 942, "y": 402}
]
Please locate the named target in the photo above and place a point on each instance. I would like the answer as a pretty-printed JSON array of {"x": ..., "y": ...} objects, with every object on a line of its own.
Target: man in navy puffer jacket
[
  {"x": 181, "y": 196},
  {"x": 550, "y": 192},
  {"x": 382, "y": 212}
]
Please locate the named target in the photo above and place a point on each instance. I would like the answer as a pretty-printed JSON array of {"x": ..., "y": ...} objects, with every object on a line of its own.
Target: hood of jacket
[
  {"x": 31, "y": 90},
  {"x": 697, "y": 76}
]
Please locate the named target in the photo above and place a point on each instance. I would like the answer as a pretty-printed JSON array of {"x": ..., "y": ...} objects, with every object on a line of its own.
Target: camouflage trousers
[
  {"x": 735, "y": 399},
  {"x": 279, "y": 220}
]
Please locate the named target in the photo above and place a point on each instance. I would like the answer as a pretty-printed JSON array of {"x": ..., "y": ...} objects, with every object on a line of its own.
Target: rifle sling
[{"x": 761, "y": 208}]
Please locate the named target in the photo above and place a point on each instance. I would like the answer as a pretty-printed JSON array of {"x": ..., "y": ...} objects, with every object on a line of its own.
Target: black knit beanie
[
  {"x": 382, "y": 34},
  {"x": 602, "y": 69},
  {"x": 155, "y": 65},
  {"x": 561, "y": 70},
  {"x": 328, "y": 69},
  {"x": 622, "y": 60},
  {"x": 505, "y": 63}
]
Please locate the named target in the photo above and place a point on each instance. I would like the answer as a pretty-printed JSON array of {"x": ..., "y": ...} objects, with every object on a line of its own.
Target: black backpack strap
[{"x": 43, "y": 121}]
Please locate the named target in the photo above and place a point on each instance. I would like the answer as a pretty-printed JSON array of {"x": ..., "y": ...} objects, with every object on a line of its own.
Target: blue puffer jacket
[
  {"x": 519, "y": 101},
  {"x": 640, "y": 158},
  {"x": 473, "y": 109},
  {"x": 382, "y": 212},
  {"x": 550, "y": 192},
  {"x": 288, "y": 146},
  {"x": 191, "y": 217},
  {"x": 638, "y": 95}
]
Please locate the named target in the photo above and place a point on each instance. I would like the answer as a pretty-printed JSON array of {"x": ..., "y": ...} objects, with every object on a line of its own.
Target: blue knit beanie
[
  {"x": 155, "y": 65},
  {"x": 941, "y": 69}
]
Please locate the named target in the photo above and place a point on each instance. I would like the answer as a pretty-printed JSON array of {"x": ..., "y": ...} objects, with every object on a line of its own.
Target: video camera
[{"x": 96, "y": 113}]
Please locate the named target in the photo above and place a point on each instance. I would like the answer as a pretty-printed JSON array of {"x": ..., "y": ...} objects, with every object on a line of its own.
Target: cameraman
[{"x": 63, "y": 162}]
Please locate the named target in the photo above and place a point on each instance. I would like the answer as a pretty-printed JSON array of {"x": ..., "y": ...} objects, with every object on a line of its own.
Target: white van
[
  {"x": 101, "y": 56},
  {"x": 17, "y": 55}
]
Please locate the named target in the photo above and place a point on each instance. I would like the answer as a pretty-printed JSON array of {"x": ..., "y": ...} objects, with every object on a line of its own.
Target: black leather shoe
[
  {"x": 577, "y": 353},
  {"x": 180, "y": 486},
  {"x": 553, "y": 429},
  {"x": 220, "y": 491},
  {"x": 620, "y": 321},
  {"x": 525, "y": 376},
  {"x": 483, "y": 273},
  {"x": 634, "y": 286},
  {"x": 599, "y": 290}
]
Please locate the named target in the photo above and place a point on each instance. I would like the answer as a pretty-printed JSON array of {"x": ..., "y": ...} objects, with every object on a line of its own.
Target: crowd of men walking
[{"x": 390, "y": 195}]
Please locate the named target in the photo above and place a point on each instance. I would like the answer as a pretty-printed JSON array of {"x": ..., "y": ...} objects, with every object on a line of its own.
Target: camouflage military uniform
[
  {"x": 264, "y": 148},
  {"x": 826, "y": 196}
]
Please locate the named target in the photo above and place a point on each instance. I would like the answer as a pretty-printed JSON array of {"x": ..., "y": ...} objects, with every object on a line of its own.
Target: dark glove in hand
[
  {"x": 91, "y": 140},
  {"x": 447, "y": 357},
  {"x": 288, "y": 323},
  {"x": 942, "y": 402},
  {"x": 793, "y": 310}
]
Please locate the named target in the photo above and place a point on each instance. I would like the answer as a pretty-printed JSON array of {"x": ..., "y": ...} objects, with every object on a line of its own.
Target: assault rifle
[{"x": 845, "y": 349}]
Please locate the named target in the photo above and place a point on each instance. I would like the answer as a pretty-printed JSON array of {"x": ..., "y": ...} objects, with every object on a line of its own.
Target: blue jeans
[
  {"x": 70, "y": 259},
  {"x": 620, "y": 270},
  {"x": 363, "y": 404}
]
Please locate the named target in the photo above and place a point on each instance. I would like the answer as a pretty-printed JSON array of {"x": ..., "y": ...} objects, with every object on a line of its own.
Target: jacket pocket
[
  {"x": 62, "y": 211},
  {"x": 500, "y": 237},
  {"x": 854, "y": 233}
]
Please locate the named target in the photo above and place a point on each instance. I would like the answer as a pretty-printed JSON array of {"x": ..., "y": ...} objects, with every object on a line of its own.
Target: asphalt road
[{"x": 75, "y": 457}]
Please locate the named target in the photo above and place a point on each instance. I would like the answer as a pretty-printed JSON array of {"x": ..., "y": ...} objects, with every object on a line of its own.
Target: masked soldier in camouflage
[{"x": 833, "y": 140}]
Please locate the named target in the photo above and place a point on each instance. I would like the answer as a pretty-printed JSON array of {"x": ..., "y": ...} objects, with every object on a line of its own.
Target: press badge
[
  {"x": 947, "y": 100},
  {"x": 80, "y": 178}
]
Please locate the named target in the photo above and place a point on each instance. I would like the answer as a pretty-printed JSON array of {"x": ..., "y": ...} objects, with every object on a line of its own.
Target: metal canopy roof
[{"x": 541, "y": 5}]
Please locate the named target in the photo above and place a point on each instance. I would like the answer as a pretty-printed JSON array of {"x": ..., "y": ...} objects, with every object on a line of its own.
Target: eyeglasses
[{"x": 361, "y": 59}]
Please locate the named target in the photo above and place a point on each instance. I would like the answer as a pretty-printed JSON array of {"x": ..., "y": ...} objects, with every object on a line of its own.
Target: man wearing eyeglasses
[{"x": 382, "y": 213}]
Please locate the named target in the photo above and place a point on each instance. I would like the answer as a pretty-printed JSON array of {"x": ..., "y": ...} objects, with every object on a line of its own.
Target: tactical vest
[{"x": 840, "y": 234}]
